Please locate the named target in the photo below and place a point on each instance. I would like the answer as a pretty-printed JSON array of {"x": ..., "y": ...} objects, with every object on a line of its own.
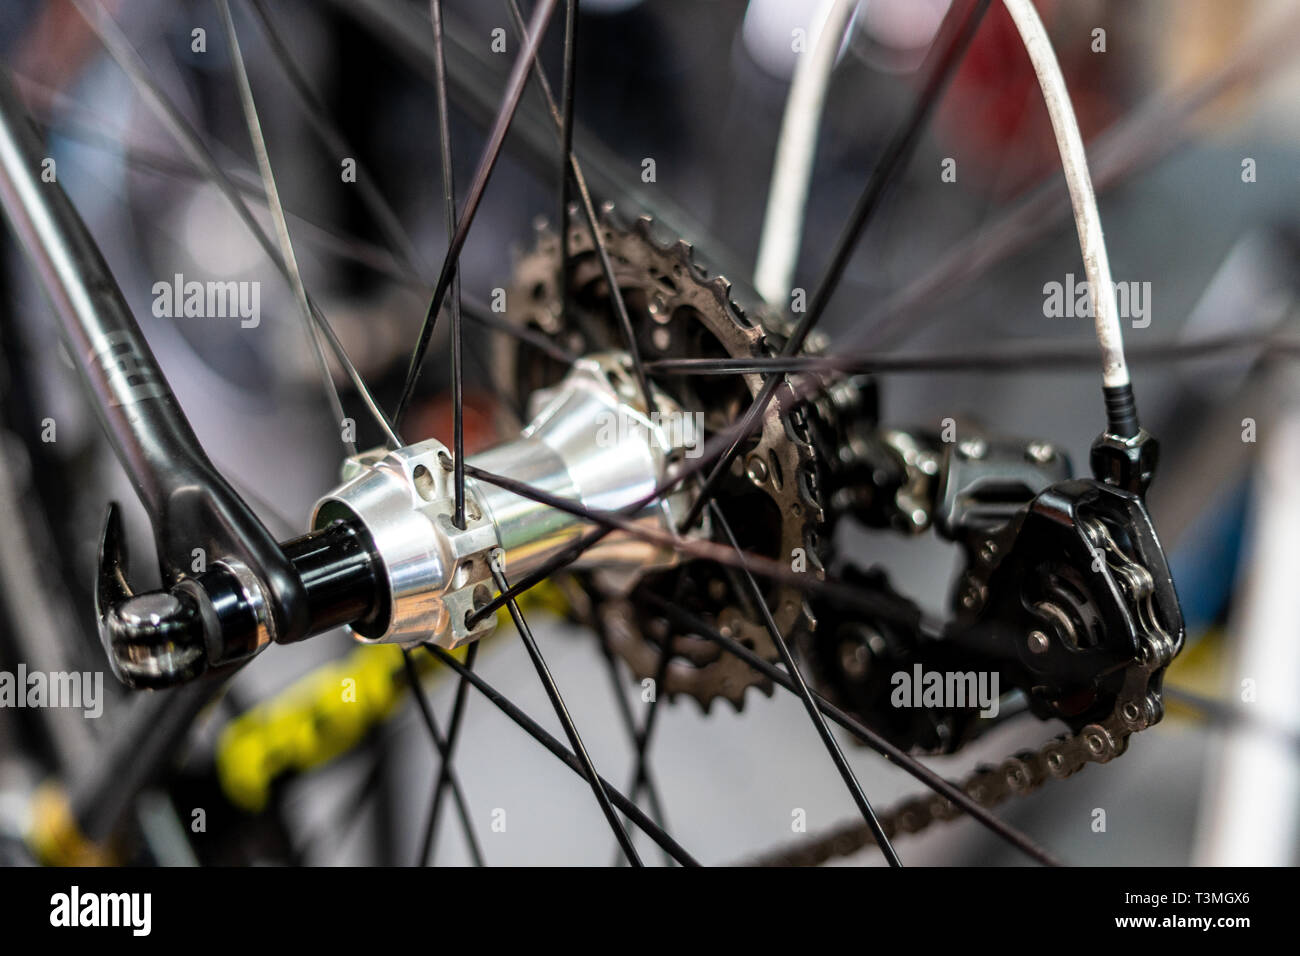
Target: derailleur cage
[{"x": 1071, "y": 595}]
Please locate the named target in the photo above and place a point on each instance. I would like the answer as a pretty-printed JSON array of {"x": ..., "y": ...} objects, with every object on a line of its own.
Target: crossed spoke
[
  {"x": 805, "y": 694},
  {"x": 640, "y": 736},
  {"x": 487, "y": 163},
  {"x": 861, "y": 731},
  {"x": 381, "y": 210},
  {"x": 955, "y": 36},
  {"x": 444, "y": 748},
  {"x": 129, "y": 61},
  {"x": 598, "y": 785},
  {"x": 564, "y": 130},
  {"x": 962, "y": 22},
  {"x": 445, "y": 775},
  {"x": 871, "y": 738},
  {"x": 538, "y": 733}
]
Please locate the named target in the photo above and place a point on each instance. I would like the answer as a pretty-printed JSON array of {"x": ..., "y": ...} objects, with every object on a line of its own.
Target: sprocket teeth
[
  {"x": 606, "y": 217},
  {"x": 648, "y": 246}
]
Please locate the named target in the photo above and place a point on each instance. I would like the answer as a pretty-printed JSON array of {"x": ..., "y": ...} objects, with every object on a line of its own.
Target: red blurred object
[
  {"x": 993, "y": 118},
  {"x": 434, "y": 419}
]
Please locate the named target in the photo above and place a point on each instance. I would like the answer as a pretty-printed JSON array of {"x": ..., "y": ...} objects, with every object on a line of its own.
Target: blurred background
[{"x": 1191, "y": 109}]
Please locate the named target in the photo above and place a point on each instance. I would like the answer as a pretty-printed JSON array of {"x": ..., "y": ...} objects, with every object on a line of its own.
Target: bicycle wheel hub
[{"x": 591, "y": 442}]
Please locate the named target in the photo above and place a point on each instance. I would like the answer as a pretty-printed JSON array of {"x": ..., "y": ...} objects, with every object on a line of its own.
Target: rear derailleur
[{"x": 1064, "y": 602}]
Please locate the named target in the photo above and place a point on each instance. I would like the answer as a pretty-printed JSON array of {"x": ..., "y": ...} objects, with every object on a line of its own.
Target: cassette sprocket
[{"x": 771, "y": 497}]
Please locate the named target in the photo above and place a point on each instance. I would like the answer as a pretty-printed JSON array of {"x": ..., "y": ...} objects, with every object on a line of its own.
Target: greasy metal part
[
  {"x": 985, "y": 481},
  {"x": 219, "y": 617},
  {"x": 189, "y": 503},
  {"x": 773, "y": 492},
  {"x": 912, "y": 501},
  {"x": 1029, "y": 602},
  {"x": 1127, "y": 463},
  {"x": 967, "y": 491},
  {"x": 1107, "y": 610},
  {"x": 1136, "y": 576},
  {"x": 854, "y": 659},
  {"x": 589, "y": 441},
  {"x": 910, "y": 480}
]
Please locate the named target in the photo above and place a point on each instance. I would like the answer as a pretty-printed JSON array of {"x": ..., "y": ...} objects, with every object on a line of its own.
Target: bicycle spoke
[
  {"x": 612, "y": 521},
  {"x": 706, "y": 550},
  {"x": 444, "y": 771},
  {"x": 548, "y": 568},
  {"x": 129, "y": 61},
  {"x": 346, "y": 818},
  {"x": 260, "y": 154},
  {"x": 401, "y": 269},
  {"x": 1140, "y": 139},
  {"x": 647, "y": 732},
  {"x": 1033, "y": 360},
  {"x": 351, "y": 248},
  {"x": 805, "y": 694},
  {"x": 564, "y": 129},
  {"x": 538, "y": 733},
  {"x": 568, "y": 94},
  {"x": 344, "y": 821},
  {"x": 449, "y": 201},
  {"x": 444, "y": 756},
  {"x": 784, "y": 379},
  {"x": 566, "y": 720},
  {"x": 141, "y": 159},
  {"x": 491, "y": 152},
  {"x": 398, "y": 25},
  {"x": 860, "y": 730},
  {"x": 641, "y": 776},
  {"x": 954, "y": 38},
  {"x": 640, "y": 740},
  {"x": 1225, "y": 714},
  {"x": 372, "y": 197}
]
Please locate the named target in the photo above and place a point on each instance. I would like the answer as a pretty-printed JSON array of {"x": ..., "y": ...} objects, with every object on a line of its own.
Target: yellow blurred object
[
  {"x": 54, "y": 837},
  {"x": 326, "y": 713},
  {"x": 1197, "y": 670},
  {"x": 1196, "y": 37}
]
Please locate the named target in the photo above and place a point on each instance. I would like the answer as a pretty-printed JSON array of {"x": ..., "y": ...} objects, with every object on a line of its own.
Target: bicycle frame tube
[{"x": 189, "y": 503}]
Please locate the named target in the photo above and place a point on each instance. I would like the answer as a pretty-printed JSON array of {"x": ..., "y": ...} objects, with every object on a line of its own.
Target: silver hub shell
[{"x": 590, "y": 441}]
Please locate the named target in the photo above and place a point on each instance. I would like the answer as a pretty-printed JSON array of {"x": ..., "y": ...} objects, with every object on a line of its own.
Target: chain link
[{"x": 1137, "y": 707}]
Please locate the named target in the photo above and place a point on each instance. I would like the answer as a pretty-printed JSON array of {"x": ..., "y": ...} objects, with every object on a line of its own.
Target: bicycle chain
[{"x": 1139, "y": 706}]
